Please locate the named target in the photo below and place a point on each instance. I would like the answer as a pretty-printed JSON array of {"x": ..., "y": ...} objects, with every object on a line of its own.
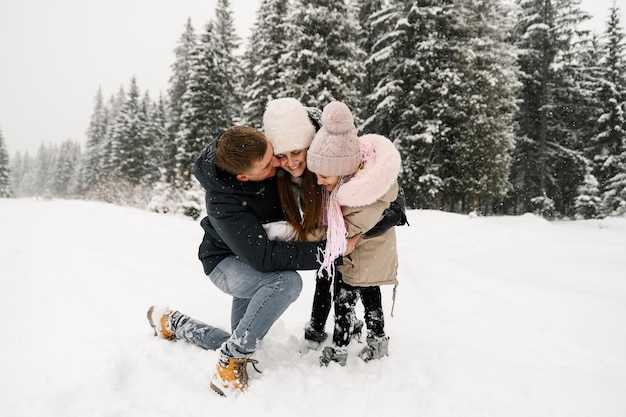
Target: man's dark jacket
[{"x": 236, "y": 211}]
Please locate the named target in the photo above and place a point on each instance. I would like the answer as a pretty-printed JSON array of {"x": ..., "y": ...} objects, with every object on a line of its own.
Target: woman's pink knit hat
[{"x": 335, "y": 150}]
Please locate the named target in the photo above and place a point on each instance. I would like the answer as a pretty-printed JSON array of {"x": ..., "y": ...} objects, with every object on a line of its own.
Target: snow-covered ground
[{"x": 495, "y": 316}]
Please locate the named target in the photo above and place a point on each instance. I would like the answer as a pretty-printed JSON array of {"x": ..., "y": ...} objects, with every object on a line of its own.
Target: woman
[{"x": 290, "y": 128}]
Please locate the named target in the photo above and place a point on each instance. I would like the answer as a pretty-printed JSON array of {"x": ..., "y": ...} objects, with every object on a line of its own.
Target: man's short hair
[{"x": 238, "y": 148}]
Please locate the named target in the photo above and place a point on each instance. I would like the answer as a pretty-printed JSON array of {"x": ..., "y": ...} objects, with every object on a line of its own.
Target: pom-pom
[{"x": 337, "y": 118}]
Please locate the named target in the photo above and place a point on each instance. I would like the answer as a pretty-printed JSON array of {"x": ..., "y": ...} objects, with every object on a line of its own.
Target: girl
[{"x": 359, "y": 175}]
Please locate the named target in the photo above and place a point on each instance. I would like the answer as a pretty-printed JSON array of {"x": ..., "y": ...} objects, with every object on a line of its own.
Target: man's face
[{"x": 263, "y": 169}]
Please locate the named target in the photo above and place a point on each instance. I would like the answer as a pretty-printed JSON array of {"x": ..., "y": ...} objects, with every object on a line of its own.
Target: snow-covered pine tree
[
  {"x": 44, "y": 163},
  {"x": 211, "y": 98},
  {"x": 109, "y": 160},
  {"x": 445, "y": 93},
  {"x": 178, "y": 83},
  {"x": 374, "y": 24},
  {"x": 325, "y": 62},
  {"x": 21, "y": 174},
  {"x": 227, "y": 44},
  {"x": 586, "y": 73},
  {"x": 163, "y": 198},
  {"x": 538, "y": 52},
  {"x": 16, "y": 172},
  {"x": 481, "y": 107},
  {"x": 608, "y": 143},
  {"x": 264, "y": 72},
  {"x": 615, "y": 51},
  {"x": 75, "y": 185},
  {"x": 66, "y": 169},
  {"x": 614, "y": 197},
  {"x": 545, "y": 34},
  {"x": 155, "y": 139},
  {"x": 407, "y": 65},
  {"x": 5, "y": 169},
  {"x": 205, "y": 105},
  {"x": 94, "y": 156},
  {"x": 386, "y": 70},
  {"x": 129, "y": 146},
  {"x": 588, "y": 204},
  {"x": 570, "y": 112},
  {"x": 29, "y": 178}
]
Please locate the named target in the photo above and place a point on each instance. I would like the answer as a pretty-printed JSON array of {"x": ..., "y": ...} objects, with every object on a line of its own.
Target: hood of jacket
[{"x": 376, "y": 175}]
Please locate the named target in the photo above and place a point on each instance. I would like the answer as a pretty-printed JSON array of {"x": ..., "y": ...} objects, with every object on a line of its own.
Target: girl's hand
[{"x": 351, "y": 243}]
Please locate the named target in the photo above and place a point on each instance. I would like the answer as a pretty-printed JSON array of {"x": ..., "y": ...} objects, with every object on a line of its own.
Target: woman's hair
[
  {"x": 311, "y": 195},
  {"x": 238, "y": 148}
]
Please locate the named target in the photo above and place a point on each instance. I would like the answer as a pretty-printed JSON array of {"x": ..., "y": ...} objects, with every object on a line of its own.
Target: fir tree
[
  {"x": 95, "y": 156},
  {"x": 570, "y": 112},
  {"x": 538, "y": 54},
  {"x": 16, "y": 171},
  {"x": 545, "y": 34},
  {"x": 608, "y": 144},
  {"x": 21, "y": 174},
  {"x": 110, "y": 161},
  {"x": 178, "y": 83},
  {"x": 206, "y": 105},
  {"x": 372, "y": 28},
  {"x": 445, "y": 93},
  {"x": 65, "y": 171},
  {"x": 614, "y": 197},
  {"x": 211, "y": 98},
  {"x": 227, "y": 43},
  {"x": 482, "y": 107},
  {"x": 613, "y": 168},
  {"x": 45, "y": 161},
  {"x": 28, "y": 179},
  {"x": 615, "y": 61},
  {"x": 589, "y": 80},
  {"x": 324, "y": 63},
  {"x": 384, "y": 69},
  {"x": 129, "y": 146},
  {"x": 409, "y": 65},
  {"x": 588, "y": 203},
  {"x": 155, "y": 138},
  {"x": 5, "y": 188},
  {"x": 264, "y": 74}
]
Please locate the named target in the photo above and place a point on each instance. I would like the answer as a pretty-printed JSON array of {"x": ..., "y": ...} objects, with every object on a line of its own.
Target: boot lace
[{"x": 239, "y": 367}]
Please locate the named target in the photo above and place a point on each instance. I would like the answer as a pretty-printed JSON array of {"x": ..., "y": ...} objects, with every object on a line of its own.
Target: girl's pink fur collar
[{"x": 376, "y": 175}]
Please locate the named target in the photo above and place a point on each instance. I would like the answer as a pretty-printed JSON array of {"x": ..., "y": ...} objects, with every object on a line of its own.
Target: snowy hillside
[{"x": 495, "y": 317}]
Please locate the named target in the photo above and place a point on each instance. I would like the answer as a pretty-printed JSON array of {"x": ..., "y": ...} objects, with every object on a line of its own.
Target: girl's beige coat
[{"x": 363, "y": 200}]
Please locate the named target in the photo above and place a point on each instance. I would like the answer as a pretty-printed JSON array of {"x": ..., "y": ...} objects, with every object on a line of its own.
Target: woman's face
[
  {"x": 327, "y": 182},
  {"x": 293, "y": 162}
]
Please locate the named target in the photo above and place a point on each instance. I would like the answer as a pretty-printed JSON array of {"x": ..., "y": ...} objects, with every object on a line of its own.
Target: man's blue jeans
[{"x": 259, "y": 299}]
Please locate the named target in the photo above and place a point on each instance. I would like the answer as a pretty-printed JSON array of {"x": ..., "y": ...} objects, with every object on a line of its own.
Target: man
[{"x": 237, "y": 171}]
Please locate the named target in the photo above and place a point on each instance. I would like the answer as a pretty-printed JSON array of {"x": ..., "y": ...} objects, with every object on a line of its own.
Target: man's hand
[{"x": 351, "y": 243}]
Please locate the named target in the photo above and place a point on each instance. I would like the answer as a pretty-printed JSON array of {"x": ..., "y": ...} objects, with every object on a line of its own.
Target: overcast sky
[{"x": 54, "y": 55}]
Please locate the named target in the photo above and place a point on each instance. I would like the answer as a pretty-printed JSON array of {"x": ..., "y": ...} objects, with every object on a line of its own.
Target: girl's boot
[{"x": 377, "y": 347}]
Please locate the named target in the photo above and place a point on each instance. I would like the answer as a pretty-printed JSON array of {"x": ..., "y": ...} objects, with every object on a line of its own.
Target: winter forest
[{"x": 496, "y": 107}]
